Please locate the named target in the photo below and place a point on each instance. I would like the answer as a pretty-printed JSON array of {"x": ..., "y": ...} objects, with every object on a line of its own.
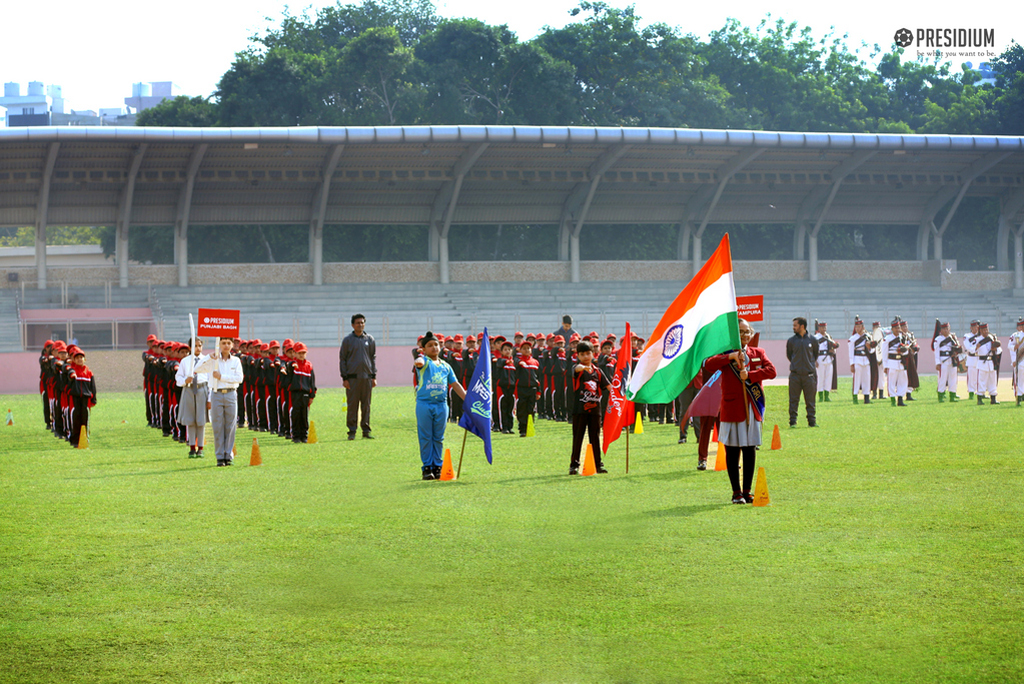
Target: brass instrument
[{"x": 958, "y": 355}]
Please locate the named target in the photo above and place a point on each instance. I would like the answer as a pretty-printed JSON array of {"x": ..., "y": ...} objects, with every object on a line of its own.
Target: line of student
[
  {"x": 274, "y": 395},
  {"x": 68, "y": 390}
]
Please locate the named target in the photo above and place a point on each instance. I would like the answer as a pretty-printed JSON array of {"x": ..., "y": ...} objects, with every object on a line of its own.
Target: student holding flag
[
  {"x": 433, "y": 377},
  {"x": 742, "y": 408}
]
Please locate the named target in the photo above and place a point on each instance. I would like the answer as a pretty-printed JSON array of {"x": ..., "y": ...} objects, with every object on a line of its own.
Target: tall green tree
[
  {"x": 628, "y": 75},
  {"x": 194, "y": 112}
]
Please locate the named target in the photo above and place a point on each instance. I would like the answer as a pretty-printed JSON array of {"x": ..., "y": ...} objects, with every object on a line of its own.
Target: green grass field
[{"x": 891, "y": 552}]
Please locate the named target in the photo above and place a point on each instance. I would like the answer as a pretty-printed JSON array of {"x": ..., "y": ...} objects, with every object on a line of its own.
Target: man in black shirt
[{"x": 802, "y": 352}]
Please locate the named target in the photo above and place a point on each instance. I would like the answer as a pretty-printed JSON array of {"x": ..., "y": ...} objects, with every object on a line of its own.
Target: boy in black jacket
[{"x": 588, "y": 382}]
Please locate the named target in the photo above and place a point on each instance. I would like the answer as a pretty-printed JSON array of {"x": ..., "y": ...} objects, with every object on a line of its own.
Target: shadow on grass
[
  {"x": 684, "y": 511},
  {"x": 138, "y": 474}
]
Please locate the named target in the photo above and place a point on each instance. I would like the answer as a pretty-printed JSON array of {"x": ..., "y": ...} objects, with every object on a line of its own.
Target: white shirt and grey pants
[{"x": 224, "y": 406}]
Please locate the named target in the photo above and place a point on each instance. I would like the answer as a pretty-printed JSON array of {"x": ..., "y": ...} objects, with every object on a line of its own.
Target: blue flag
[{"x": 476, "y": 409}]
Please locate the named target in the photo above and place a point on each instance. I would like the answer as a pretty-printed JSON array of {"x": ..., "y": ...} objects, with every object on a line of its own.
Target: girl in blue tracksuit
[{"x": 433, "y": 376}]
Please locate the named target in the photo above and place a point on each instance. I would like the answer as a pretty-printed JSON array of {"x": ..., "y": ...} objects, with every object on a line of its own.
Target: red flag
[{"x": 620, "y": 411}]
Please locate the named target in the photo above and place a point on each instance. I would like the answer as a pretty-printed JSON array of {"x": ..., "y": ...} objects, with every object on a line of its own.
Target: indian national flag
[{"x": 701, "y": 322}]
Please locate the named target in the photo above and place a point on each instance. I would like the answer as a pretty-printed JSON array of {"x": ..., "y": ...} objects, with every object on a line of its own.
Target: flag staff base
[{"x": 465, "y": 434}]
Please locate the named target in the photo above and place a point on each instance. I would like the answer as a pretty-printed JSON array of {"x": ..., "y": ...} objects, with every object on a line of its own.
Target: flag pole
[
  {"x": 465, "y": 434},
  {"x": 627, "y": 447}
]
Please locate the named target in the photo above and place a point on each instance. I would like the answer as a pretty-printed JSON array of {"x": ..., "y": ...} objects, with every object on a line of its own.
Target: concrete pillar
[
  {"x": 812, "y": 266},
  {"x": 1018, "y": 258},
  {"x": 697, "y": 260},
  {"x": 316, "y": 251},
  {"x": 443, "y": 258},
  {"x": 574, "y": 258},
  {"x": 1002, "y": 244},
  {"x": 799, "y": 235},
  {"x": 563, "y": 240},
  {"x": 434, "y": 245},
  {"x": 181, "y": 253},
  {"x": 41, "y": 256},
  {"x": 683, "y": 245}
]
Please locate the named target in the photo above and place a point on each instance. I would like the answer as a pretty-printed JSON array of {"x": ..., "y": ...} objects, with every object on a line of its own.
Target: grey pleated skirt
[
  {"x": 741, "y": 434},
  {"x": 192, "y": 407}
]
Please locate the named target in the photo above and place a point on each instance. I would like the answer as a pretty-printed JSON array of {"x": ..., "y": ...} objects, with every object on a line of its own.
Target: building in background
[
  {"x": 146, "y": 95},
  {"x": 35, "y": 107},
  {"x": 43, "y": 105}
]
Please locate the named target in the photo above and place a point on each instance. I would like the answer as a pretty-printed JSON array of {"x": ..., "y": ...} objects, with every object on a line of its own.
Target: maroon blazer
[{"x": 759, "y": 369}]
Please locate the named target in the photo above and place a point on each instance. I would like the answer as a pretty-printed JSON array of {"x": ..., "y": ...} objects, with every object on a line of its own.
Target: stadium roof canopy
[{"x": 444, "y": 175}]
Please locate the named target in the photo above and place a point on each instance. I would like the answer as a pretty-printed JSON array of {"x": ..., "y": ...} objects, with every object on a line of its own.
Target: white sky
[{"x": 96, "y": 52}]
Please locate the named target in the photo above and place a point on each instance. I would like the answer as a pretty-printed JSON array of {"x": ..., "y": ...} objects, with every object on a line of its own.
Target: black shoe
[
  {"x": 428, "y": 474},
  {"x": 910, "y": 397},
  {"x": 351, "y": 436},
  {"x": 522, "y": 434},
  {"x": 574, "y": 470},
  {"x": 367, "y": 435},
  {"x": 899, "y": 401},
  {"x": 702, "y": 464},
  {"x": 993, "y": 400},
  {"x": 747, "y": 497},
  {"x": 437, "y": 472},
  {"x": 737, "y": 498},
  {"x": 192, "y": 453},
  {"x": 682, "y": 440},
  {"x": 199, "y": 452},
  {"x": 601, "y": 469},
  {"x": 221, "y": 464},
  {"x": 812, "y": 425}
]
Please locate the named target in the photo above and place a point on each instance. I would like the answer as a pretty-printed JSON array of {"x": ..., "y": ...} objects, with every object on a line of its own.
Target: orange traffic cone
[
  {"x": 447, "y": 472},
  {"x": 589, "y": 467},
  {"x": 776, "y": 439},
  {"x": 10, "y": 417},
  {"x": 720, "y": 458},
  {"x": 761, "y": 489},
  {"x": 714, "y": 433},
  {"x": 254, "y": 457}
]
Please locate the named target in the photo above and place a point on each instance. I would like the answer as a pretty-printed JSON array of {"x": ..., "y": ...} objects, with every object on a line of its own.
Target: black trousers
[
  {"x": 583, "y": 423},
  {"x": 732, "y": 464},
  {"x": 508, "y": 400},
  {"x": 359, "y": 393},
  {"x": 807, "y": 385},
  {"x": 524, "y": 407},
  {"x": 79, "y": 417},
  {"x": 300, "y": 416}
]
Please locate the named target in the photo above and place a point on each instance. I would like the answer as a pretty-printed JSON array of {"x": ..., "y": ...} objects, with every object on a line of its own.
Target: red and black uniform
[
  {"x": 44, "y": 357},
  {"x": 174, "y": 397},
  {"x": 506, "y": 378},
  {"x": 301, "y": 381},
  {"x": 587, "y": 387},
  {"x": 527, "y": 388},
  {"x": 81, "y": 389}
]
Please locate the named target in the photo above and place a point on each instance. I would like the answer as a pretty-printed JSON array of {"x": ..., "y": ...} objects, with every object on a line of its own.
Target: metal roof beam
[
  {"x": 184, "y": 211},
  {"x": 42, "y": 214},
  {"x": 317, "y": 211},
  {"x": 452, "y": 191},
  {"x": 724, "y": 173}
]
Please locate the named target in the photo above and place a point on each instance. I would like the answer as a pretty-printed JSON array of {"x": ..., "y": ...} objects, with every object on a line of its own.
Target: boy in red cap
[
  {"x": 527, "y": 384},
  {"x": 301, "y": 382},
  {"x": 82, "y": 392}
]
